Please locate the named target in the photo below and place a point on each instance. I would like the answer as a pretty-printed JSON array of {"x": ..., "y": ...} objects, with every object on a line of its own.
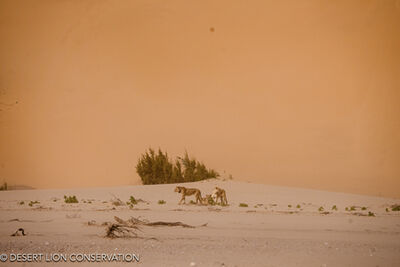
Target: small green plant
[
  {"x": 396, "y": 208},
  {"x": 31, "y": 203},
  {"x": 243, "y": 205},
  {"x": 321, "y": 209},
  {"x": 289, "y": 206},
  {"x": 21, "y": 203},
  {"x": 335, "y": 208},
  {"x": 352, "y": 208},
  {"x": 387, "y": 210},
  {"x": 298, "y": 206},
  {"x": 347, "y": 209},
  {"x": 132, "y": 201},
  {"x": 70, "y": 199},
  {"x": 364, "y": 208},
  {"x": 371, "y": 214},
  {"x": 161, "y": 202}
]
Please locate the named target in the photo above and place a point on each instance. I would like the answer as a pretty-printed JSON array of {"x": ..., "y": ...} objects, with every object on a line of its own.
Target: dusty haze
[{"x": 295, "y": 93}]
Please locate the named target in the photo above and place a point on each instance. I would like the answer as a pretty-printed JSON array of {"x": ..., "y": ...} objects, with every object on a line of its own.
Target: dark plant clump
[
  {"x": 31, "y": 203},
  {"x": 70, "y": 199},
  {"x": 157, "y": 168},
  {"x": 395, "y": 207}
]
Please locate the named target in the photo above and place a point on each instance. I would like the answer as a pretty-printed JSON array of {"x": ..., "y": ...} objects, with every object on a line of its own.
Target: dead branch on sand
[
  {"x": 128, "y": 228},
  {"x": 137, "y": 221},
  {"x": 17, "y": 233}
]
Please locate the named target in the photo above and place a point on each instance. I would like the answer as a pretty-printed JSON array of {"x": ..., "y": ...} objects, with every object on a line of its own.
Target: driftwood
[
  {"x": 17, "y": 233},
  {"x": 117, "y": 231},
  {"x": 137, "y": 221},
  {"x": 128, "y": 228}
]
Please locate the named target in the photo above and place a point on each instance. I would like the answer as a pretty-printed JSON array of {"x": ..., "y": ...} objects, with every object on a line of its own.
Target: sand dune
[{"x": 268, "y": 232}]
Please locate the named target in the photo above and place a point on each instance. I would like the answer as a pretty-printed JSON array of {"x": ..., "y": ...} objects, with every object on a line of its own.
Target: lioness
[
  {"x": 219, "y": 193},
  {"x": 188, "y": 192}
]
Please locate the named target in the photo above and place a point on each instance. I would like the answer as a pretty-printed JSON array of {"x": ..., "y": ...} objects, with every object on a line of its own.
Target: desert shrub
[
  {"x": 298, "y": 206},
  {"x": 334, "y": 207},
  {"x": 4, "y": 187},
  {"x": 31, "y": 203},
  {"x": 364, "y": 208},
  {"x": 157, "y": 168},
  {"x": 387, "y": 210},
  {"x": 320, "y": 209},
  {"x": 395, "y": 207},
  {"x": 70, "y": 199},
  {"x": 132, "y": 201},
  {"x": 21, "y": 203},
  {"x": 352, "y": 208},
  {"x": 289, "y": 206},
  {"x": 243, "y": 205},
  {"x": 371, "y": 214},
  {"x": 161, "y": 202}
]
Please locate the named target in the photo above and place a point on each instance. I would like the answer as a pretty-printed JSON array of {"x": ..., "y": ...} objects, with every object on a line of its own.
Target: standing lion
[
  {"x": 189, "y": 192},
  {"x": 220, "y": 193}
]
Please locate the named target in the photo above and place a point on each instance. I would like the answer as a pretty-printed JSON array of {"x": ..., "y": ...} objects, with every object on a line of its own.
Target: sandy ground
[{"x": 272, "y": 231}]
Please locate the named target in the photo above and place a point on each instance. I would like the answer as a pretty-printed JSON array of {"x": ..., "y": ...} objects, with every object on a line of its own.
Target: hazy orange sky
[{"x": 297, "y": 93}]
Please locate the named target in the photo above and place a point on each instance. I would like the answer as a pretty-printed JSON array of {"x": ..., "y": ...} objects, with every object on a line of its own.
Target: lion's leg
[
  {"x": 182, "y": 199},
  {"x": 198, "y": 198}
]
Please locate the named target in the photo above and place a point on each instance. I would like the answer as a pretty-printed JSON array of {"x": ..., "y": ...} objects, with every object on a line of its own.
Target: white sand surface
[{"x": 268, "y": 232}]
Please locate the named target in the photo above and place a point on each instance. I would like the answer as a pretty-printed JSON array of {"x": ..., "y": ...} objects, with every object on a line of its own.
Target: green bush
[
  {"x": 161, "y": 202},
  {"x": 243, "y": 205},
  {"x": 158, "y": 168},
  {"x": 395, "y": 207},
  {"x": 31, "y": 203},
  {"x": 70, "y": 199},
  {"x": 335, "y": 208}
]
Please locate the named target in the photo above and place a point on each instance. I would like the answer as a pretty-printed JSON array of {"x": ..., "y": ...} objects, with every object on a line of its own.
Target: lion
[
  {"x": 219, "y": 193},
  {"x": 188, "y": 192}
]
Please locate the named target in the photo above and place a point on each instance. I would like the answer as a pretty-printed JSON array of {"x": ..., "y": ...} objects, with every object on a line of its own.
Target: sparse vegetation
[
  {"x": 161, "y": 202},
  {"x": 396, "y": 207},
  {"x": 352, "y": 208},
  {"x": 132, "y": 201},
  {"x": 192, "y": 202},
  {"x": 387, "y": 210},
  {"x": 371, "y": 214},
  {"x": 4, "y": 187},
  {"x": 298, "y": 206},
  {"x": 364, "y": 208},
  {"x": 70, "y": 199},
  {"x": 21, "y": 203},
  {"x": 321, "y": 209},
  {"x": 335, "y": 208},
  {"x": 289, "y": 206},
  {"x": 158, "y": 168},
  {"x": 31, "y": 203},
  {"x": 243, "y": 205}
]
